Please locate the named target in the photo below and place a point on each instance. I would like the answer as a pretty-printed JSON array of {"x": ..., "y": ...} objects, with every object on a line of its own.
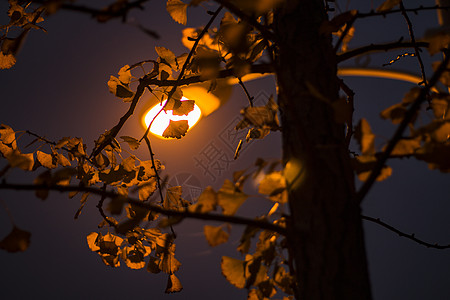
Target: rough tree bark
[{"x": 327, "y": 236}]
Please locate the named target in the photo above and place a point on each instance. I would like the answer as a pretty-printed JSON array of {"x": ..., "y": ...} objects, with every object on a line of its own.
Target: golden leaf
[
  {"x": 365, "y": 137},
  {"x": 215, "y": 235},
  {"x": 388, "y": 5},
  {"x": 230, "y": 198},
  {"x": 274, "y": 185},
  {"x": 207, "y": 201},
  {"x": 17, "y": 240},
  {"x": 173, "y": 284},
  {"x": 177, "y": 10},
  {"x": 7, "y": 61},
  {"x": 46, "y": 160},
  {"x": 167, "y": 55},
  {"x": 131, "y": 141},
  {"x": 234, "y": 271},
  {"x": 176, "y": 129}
]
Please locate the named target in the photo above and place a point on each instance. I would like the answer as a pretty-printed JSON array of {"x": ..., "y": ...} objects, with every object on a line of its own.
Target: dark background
[{"x": 58, "y": 88}]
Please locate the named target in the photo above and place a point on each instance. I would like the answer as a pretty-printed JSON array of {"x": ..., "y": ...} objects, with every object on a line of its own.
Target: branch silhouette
[
  {"x": 402, "y": 234},
  {"x": 148, "y": 206},
  {"x": 415, "y": 106}
]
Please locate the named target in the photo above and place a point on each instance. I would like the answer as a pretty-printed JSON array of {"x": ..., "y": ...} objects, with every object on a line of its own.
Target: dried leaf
[
  {"x": 177, "y": 10},
  {"x": 234, "y": 271},
  {"x": 173, "y": 285},
  {"x": 176, "y": 129},
  {"x": 46, "y": 160},
  {"x": 206, "y": 202},
  {"x": 7, "y": 135},
  {"x": 167, "y": 55},
  {"x": 274, "y": 185},
  {"x": 131, "y": 141},
  {"x": 388, "y": 5},
  {"x": 230, "y": 198},
  {"x": 365, "y": 137},
  {"x": 17, "y": 240},
  {"x": 215, "y": 235}
]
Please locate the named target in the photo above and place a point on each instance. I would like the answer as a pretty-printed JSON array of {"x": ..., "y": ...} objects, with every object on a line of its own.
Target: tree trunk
[{"x": 327, "y": 237}]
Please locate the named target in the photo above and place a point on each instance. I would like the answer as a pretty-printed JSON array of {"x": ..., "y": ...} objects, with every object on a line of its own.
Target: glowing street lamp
[{"x": 205, "y": 103}]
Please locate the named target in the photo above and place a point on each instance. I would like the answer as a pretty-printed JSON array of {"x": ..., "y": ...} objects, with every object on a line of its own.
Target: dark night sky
[{"x": 58, "y": 88}]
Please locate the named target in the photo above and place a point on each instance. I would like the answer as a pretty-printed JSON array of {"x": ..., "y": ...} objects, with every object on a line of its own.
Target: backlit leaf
[
  {"x": 388, "y": 5},
  {"x": 177, "y": 10},
  {"x": 173, "y": 285},
  {"x": 363, "y": 166},
  {"x": 17, "y": 240},
  {"x": 23, "y": 161},
  {"x": 206, "y": 202},
  {"x": 131, "y": 141},
  {"x": 365, "y": 137},
  {"x": 146, "y": 189},
  {"x": 7, "y": 61},
  {"x": 244, "y": 242},
  {"x": 46, "y": 160},
  {"x": 176, "y": 129},
  {"x": 7, "y": 135},
  {"x": 436, "y": 155},
  {"x": 44, "y": 178},
  {"x": 92, "y": 240},
  {"x": 167, "y": 55},
  {"x": 395, "y": 113},
  {"x": 234, "y": 271},
  {"x": 83, "y": 201},
  {"x": 169, "y": 264},
  {"x": 438, "y": 39},
  {"x": 134, "y": 256},
  {"x": 215, "y": 235},
  {"x": 230, "y": 198},
  {"x": 274, "y": 185},
  {"x": 62, "y": 160}
]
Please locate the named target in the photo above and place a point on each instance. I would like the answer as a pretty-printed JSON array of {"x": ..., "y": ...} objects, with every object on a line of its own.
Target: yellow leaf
[
  {"x": 176, "y": 129},
  {"x": 206, "y": 202},
  {"x": 169, "y": 264},
  {"x": 173, "y": 198},
  {"x": 63, "y": 161},
  {"x": 146, "y": 189},
  {"x": 388, "y": 5},
  {"x": 274, "y": 185},
  {"x": 167, "y": 55},
  {"x": 7, "y": 61},
  {"x": 22, "y": 161},
  {"x": 177, "y": 10},
  {"x": 46, "y": 160},
  {"x": 92, "y": 240},
  {"x": 7, "y": 135},
  {"x": 173, "y": 285},
  {"x": 230, "y": 198},
  {"x": 365, "y": 137},
  {"x": 215, "y": 235},
  {"x": 234, "y": 271},
  {"x": 125, "y": 75},
  {"x": 131, "y": 141},
  {"x": 17, "y": 240}
]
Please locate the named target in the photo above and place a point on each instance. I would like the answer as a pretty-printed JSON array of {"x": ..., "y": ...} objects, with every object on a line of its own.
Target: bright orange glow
[{"x": 163, "y": 119}]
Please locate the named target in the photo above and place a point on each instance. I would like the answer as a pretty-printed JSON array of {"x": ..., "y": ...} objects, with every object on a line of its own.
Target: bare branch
[
  {"x": 136, "y": 202},
  {"x": 402, "y": 234},
  {"x": 394, "y": 11},
  {"x": 413, "y": 40},
  {"x": 158, "y": 179}
]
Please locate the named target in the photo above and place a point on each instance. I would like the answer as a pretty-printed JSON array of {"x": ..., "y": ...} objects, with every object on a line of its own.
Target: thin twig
[
  {"x": 409, "y": 115},
  {"x": 158, "y": 179},
  {"x": 392, "y": 61},
  {"x": 394, "y": 11},
  {"x": 250, "y": 98},
  {"x": 350, "y": 98},
  {"x": 100, "y": 207},
  {"x": 152, "y": 207},
  {"x": 378, "y": 47},
  {"x": 400, "y": 233},
  {"x": 413, "y": 40}
]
